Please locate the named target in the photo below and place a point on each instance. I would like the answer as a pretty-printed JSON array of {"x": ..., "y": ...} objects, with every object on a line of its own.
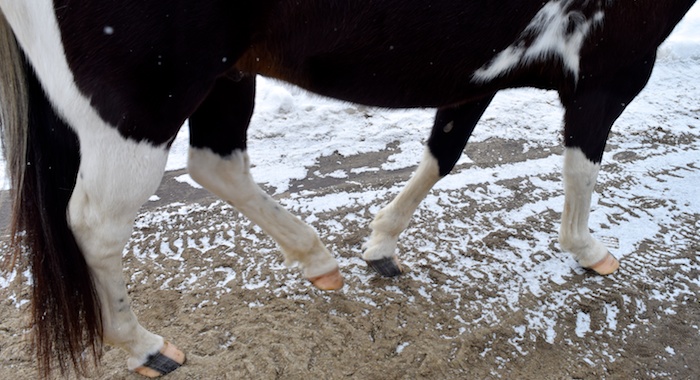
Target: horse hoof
[
  {"x": 332, "y": 280},
  {"x": 607, "y": 265},
  {"x": 168, "y": 359},
  {"x": 387, "y": 267}
]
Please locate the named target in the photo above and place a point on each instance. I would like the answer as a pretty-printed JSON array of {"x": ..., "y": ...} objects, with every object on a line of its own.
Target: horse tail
[{"x": 42, "y": 158}]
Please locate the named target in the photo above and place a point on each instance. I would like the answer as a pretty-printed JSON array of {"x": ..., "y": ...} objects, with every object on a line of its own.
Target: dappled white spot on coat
[{"x": 555, "y": 32}]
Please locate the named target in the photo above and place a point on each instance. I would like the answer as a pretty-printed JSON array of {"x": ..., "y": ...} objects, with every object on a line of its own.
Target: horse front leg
[
  {"x": 115, "y": 178},
  {"x": 580, "y": 175},
  {"x": 450, "y": 133},
  {"x": 395, "y": 217},
  {"x": 219, "y": 162},
  {"x": 591, "y": 111}
]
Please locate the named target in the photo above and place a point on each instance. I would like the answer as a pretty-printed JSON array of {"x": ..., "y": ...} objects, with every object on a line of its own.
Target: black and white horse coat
[{"x": 109, "y": 83}]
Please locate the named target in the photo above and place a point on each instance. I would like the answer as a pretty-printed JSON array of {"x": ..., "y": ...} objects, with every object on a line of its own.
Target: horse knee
[
  {"x": 97, "y": 230},
  {"x": 227, "y": 177},
  {"x": 101, "y": 211}
]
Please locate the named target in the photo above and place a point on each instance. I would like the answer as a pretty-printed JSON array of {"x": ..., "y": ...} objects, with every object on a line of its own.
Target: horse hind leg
[
  {"x": 115, "y": 178},
  {"x": 449, "y": 136},
  {"x": 590, "y": 114},
  {"x": 219, "y": 162}
]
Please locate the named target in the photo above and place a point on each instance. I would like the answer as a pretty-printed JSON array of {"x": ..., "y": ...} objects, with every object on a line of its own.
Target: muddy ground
[{"x": 486, "y": 296}]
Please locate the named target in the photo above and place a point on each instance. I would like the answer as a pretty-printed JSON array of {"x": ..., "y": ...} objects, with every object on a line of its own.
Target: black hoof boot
[{"x": 387, "y": 267}]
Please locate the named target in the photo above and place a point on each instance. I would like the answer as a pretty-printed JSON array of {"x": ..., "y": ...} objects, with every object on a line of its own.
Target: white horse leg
[
  {"x": 229, "y": 178},
  {"x": 394, "y": 218},
  {"x": 579, "y": 180},
  {"x": 116, "y": 177},
  {"x": 451, "y": 130}
]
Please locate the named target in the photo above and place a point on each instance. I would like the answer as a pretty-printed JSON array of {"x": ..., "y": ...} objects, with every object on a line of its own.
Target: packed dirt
[{"x": 485, "y": 296}]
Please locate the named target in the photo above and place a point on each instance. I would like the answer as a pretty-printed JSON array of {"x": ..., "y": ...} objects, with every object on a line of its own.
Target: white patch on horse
[
  {"x": 556, "y": 31},
  {"x": 229, "y": 178},
  {"x": 448, "y": 127},
  {"x": 115, "y": 177},
  {"x": 580, "y": 176}
]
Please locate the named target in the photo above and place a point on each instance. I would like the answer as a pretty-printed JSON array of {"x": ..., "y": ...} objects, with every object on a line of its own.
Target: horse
[{"x": 93, "y": 94}]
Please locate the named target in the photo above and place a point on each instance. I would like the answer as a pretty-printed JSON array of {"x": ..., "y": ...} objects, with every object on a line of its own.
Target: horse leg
[
  {"x": 219, "y": 162},
  {"x": 590, "y": 113},
  {"x": 116, "y": 176},
  {"x": 451, "y": 130}
]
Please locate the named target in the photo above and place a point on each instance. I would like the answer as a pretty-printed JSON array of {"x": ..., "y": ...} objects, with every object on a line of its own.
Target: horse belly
[{"x": 383, "y": 53}]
